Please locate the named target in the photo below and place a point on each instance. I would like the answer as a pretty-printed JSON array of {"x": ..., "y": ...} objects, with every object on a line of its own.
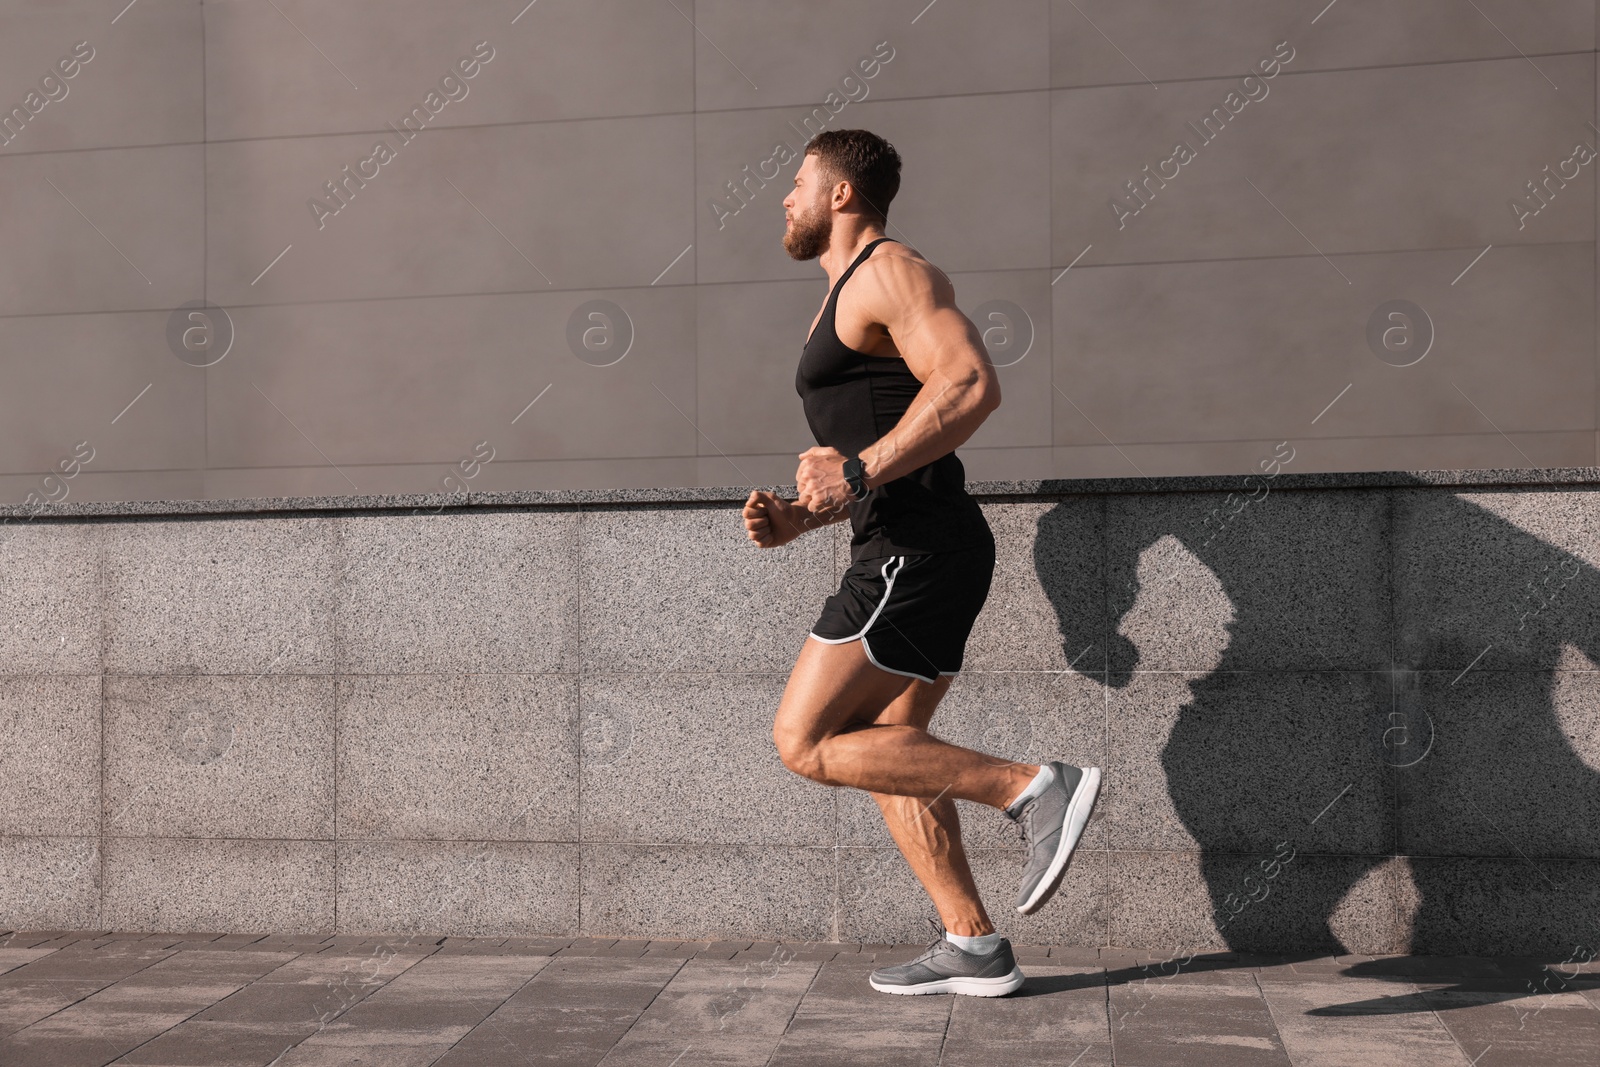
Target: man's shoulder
[
  {"x": 897, "y": 254},
  {"x": 897, "y": 270}
]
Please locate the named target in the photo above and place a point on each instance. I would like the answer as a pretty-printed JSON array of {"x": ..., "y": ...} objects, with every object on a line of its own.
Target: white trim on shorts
[
  {"x": 908, "y": 674},
  {"x": 862, "y": 636},
  {"x": 887, "y": 589}
]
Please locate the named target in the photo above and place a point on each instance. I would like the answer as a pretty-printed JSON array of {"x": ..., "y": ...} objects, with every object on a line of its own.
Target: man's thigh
[{"x": 836, "y": 688}]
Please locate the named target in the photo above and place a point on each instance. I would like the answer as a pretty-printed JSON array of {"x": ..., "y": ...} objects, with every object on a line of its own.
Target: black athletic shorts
[{"x": 912, "y": 613}]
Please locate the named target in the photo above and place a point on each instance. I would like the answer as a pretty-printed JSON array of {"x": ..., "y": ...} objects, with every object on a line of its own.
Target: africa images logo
[
  {"x": 51, "y": 89},
  {"x": 340, "y": 191},
  {"x": 1211, "y": 126},
  {"x": 851, "y": 88}
]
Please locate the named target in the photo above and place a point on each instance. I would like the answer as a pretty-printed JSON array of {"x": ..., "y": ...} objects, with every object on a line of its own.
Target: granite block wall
[{"x": 1356, "y": 711}]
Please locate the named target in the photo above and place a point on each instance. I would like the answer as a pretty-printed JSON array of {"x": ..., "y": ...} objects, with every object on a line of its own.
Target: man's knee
[{"x": 798, "y": 753}]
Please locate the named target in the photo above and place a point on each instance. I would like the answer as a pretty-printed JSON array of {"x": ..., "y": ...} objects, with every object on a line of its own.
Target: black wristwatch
[{"x": 855, "y": 476}]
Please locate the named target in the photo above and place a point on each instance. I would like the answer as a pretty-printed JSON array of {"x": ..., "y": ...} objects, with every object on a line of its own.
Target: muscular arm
[{"x": 915, "y": 303}]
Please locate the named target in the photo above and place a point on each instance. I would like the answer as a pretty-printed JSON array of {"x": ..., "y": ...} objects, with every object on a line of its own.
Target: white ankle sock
[
  {"x": 1041, "y": 781},
  {"x": 981, "y": 945}
]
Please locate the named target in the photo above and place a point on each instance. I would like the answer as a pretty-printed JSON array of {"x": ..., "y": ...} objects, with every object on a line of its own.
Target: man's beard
[{"x": 808, "y": 236}]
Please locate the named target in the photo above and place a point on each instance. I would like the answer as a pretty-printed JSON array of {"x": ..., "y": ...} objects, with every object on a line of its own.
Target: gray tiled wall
[
  {"x": 373, "y": 352},
  {"x": 557, "y": 719}
]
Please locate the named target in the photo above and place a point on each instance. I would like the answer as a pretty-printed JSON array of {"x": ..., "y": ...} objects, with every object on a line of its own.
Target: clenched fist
[{"x": 770, "y": 521}]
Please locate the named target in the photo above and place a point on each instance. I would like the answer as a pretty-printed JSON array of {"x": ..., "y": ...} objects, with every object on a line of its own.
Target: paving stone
[
  {"x": 840, "y": 999},
  {"x": 199, "y": 967},
  {"x": 859, "y": 1042},
  {"x": 1255, "y": 960},
  {"x": 716, "y": 996},
  {"x": 1511, "y": 988},
  {"x": 1209, "y": 961},
  {"x": 440, "y": 993},
  {"x": 960, "y": 1052},
  {"x": 891, "y": 953},
  {"x": 286, "y": 1003},
  {"x": 13, "y": 958},
  {"x": 758, "y": 950},
  {"x": 714, "y": 1050},
  {"x": 231, "y": 1000},
  {"x": 180, "y": 935},
  {"x": 1357, "y": 959},
  {"x": 1060, "y": 1004},
  {"x": 341, "y": 1044},
  {"x": 525, "y": 946},
  {"x": 451, "y": 946},
  {"x": 293, "y": 942},
  {"x": 344, "y": 941},
  {"x": 309, "y": 988},
  {"x": 586, "y": 946},
  {"x": 148, "y": 949},
  {"x": 238, "y": 938},
  {"x": 377, "y": 946},
  {"x": 1285, "y": 972},
  {"x": 583, "y": 981},
  {"x": 194, "y": 946},
  {"x": 1381, "y": 1022},
  {"x": 1503, "y": 1029},
  {"x": 113, "y": 1021},
  {"x": 40, "y": 936},
  {"x": 675, "y": 949},
  {"x": 1432, "y": 966},
  {"x": 1318, "y": 965},
  {"x": 38, "y": 1046},
  {"x": 282, "y": 946},
  {"x": 818, "y": 951},
  {"x": 221, "y": 1044},
  {"x": 722, "y": 950},
  {"x": 568, "y": 1037},
  {"x": 1194, "y": 1019},
  {"x": 487, "y": 947},
  {"x": 24, "y": 941},
  {"x": 627, "y": 948},
  {"x": 24, "y": 1001},
  {"x": 1537, "y": 967},
  {"x": 84, "y": 965}
]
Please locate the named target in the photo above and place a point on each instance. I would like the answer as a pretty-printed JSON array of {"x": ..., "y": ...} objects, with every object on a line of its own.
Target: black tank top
[{"x": 852, "y": 399}]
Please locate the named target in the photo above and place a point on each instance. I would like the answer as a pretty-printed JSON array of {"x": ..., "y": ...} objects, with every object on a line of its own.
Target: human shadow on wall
[{"x": 1304, "y": 684}]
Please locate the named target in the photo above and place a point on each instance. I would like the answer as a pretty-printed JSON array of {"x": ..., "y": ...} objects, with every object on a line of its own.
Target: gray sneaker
[
  {"x": 944, "y": 968},
  {"x": 1051, "y": 824}
]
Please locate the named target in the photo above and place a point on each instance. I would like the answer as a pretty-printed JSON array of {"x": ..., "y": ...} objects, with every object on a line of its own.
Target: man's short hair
[{"x": 868, "y": 162}]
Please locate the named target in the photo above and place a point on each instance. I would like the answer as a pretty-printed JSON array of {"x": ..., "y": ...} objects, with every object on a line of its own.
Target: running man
[{"x": 893, "y": 378}]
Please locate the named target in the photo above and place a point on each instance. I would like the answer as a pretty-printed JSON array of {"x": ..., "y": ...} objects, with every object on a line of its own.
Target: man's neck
[{"x": 848, "y": 251}]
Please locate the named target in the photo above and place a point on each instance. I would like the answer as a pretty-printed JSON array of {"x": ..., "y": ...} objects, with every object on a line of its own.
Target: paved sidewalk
[{"x": 70, "y": 998}]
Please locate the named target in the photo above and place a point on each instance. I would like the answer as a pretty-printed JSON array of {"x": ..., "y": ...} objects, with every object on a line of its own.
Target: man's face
[{"x": 808, "y": 213}]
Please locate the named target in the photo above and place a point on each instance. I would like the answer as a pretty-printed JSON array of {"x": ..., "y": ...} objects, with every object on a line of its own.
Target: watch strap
[{"x": 855, "y": 477}]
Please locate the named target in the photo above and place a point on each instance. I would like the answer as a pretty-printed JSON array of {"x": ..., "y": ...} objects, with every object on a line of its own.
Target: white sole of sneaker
[
  {"x": 1078, "y": 811},
  {"x": 972, "y": 987}
]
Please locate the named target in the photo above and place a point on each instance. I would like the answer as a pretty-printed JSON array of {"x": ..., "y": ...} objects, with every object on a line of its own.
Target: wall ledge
[{"x": 1554, "y": 477}]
